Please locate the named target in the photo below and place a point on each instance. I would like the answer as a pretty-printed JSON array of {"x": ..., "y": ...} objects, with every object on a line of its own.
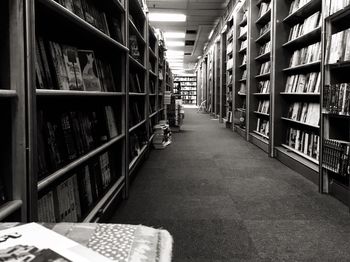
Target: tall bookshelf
[
  {"x": 222, "y": 73},
  {"x": 297, "y": 86},
  {"x": 335, "y": 120},
  {"x": 76, "y": 131},
  {"x": 241, "y": 62},
  {"x": 228, "y": 119},
  {"x": 186, "y": 88},
  {"x": 261, "y": 15},
  {"x": 13, "y": 191},
  {"x": 217, "y": 65}
]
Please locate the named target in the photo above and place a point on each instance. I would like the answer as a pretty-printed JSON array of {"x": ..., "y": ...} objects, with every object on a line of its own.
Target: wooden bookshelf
[
  {"x": 261, "y": 35},
  {"x": 186, "y": 88},
  {"x": 13, "y": 203},
  {"x": 229, "y": 92},
  {"x": 241, "y": 64},
  {"x": 334, "y": 123},
  {"x": 50, "y": 105},
  {"x": 286, "y": 45}
]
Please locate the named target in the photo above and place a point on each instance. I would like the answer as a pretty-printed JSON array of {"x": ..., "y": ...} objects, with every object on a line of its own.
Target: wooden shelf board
[
  {"x": 151, "y": 138},
  {"x": 263, "y": 57},
  {"x": 67, "y": 93},
  {"x": 343, "y": 64},
  {"x": 299, "y": 94},
  {"x": 243, "y": 22},
  {"x": 8, "y": 208},
  {"x": 244, "y": 50},
  {"x": 137, "y": 126},
  {"x": 242, "y": 94},
  {"x": 261, "y": 94},
  {"x": 82, "y": 24},
  {"x": 78, "y": 162},
  {"x": 242, "y": 80},
  {"x": 265, "y": 37},
  {"x": 8, "y": 93},
  {"x": 299, "y": 122},
  {"x": 152, "y": 53},
  {"x": 134, "y": 162},
  {"x": 302, "y": 67},
  {"x": 153, "y": 114},
  {"x": 243, "y": 66},
  {"x": 304, "y": 40},
  {"x": 138, "y": 33},
  {"x": 242, "y": 37},
  {"x": 266, "y": 17},
  {"x": 339, "y": 14},
  {"x": 137, "y": 63},
  {"x": 137, "y": 94},
  {"x": 304, "y": 156},
  {"x": 111, "y": 193},
  {"x": 262, "y": 114},
  {"x": 152, "y": 73},
  {"x": 304, "y": 11},
  {"x": 241, "y": 110},
  {"x": 267, "y": 75},
  {"x": 264, "y": 137}
]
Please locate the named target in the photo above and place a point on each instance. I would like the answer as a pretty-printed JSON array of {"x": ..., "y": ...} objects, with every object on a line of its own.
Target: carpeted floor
[{"x": 223, "y": 199}]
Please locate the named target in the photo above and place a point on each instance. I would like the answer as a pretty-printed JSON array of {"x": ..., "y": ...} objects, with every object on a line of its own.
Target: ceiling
[{"x": 202, "y": 16}]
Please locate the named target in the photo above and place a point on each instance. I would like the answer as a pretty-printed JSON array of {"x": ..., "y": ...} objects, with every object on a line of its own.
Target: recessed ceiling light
[
  {"x": 174, "y": 35},
  {"x": 167, "y": 17}
]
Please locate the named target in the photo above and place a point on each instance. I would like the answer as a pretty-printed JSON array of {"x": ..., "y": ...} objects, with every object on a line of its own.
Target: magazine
[{"x": 35, "y": 243}]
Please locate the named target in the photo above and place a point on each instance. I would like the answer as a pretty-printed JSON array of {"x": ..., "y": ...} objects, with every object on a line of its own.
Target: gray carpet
[{"x": 223, "y": 199}]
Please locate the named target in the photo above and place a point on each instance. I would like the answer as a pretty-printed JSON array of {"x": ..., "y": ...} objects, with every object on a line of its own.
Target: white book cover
[{"x": 32, "y": 242}]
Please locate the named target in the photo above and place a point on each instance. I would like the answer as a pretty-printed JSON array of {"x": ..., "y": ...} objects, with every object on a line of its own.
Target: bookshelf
[
  {"x": 13, "y": 191},
  {"x": 297, "y": 86},
  {"x": 260, "y": 48},
  {"x": 228, "y": 118},
  {"x": 185, "y": 88},
  {"x": 210, "y": 75},
  {"x": 335, "y": 119},
  {"x": 76, "y": 109},
  {"x": 240, "y": 78},
  {"x": 217, "y": 65}
]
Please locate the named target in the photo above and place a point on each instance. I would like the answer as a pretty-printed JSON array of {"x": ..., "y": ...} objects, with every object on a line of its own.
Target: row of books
[
  {"x": 244, "y": 17},
  {"x": 229, "y": 64},
  {"x": 244, "y": 74},
  {"x": 337, "y": 98},
  {"x": 308, "y": 113},
  {"x": 336, "y": 156},
  {"x": 229, "y": 48},
  {"x": 88, "y": 11},
  {"x": 244, "y": 60},
  {"x": 185, "y": 79},
  {"x": 307, "y": 143},
  {"x": 335, "y": 6},
  {"x": 265, "y": 28},
  {"x": 309, "y": 83},
  {"x": 306, "y": 55},
  {"x": 297, "y": 4},
  {"x": 263, "y": 126},
  {"x": 338, "y": 47},
  {"x": 136, "y": 112},
  {"x": 264, "y": 87},
  {"x": 243, "y": 88},
  {"x": 264, "y": 7},
  {"x": 135, "y": 85},
  {"x": 137, "y": 141},
  {"x": 265, "y": 68},
  {"x": 63, "y": 136},
  {"x": 134, "y": 47},
  {"x": 266, "y": 48},
  {"x": 312, "y": 22},
  {"x": 65, "y": 67},
  {"x": 264, "y": 106},
  {"x": 72, "y": 199}
]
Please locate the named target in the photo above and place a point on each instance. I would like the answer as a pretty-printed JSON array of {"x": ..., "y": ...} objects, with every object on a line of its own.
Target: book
[
  {"x": 75, "y": 78},
  {"x": 111, "y": 122},
  {"x": 307, "y": 143},
  {"x": 134, "y": 47},
  {"x": 44, "y": 245},
  {"x": 89, "y": 71},
  {"x": 332, "y": 7}
]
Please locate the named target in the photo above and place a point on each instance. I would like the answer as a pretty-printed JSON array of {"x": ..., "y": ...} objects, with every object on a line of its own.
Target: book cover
[
  {"x": 75, "y": 79},
  {"x": 89, "y": 70}
]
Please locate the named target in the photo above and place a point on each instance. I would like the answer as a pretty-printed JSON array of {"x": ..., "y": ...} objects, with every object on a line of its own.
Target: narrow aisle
[{"x": 223, "y": 199}]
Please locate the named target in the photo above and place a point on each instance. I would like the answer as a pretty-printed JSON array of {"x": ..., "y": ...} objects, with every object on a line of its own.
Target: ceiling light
[
  {"x": 175, "y": 43},
  {"x": 174, "y": 35},
  {"x": 199, "y": 57},
  {"x": 167, "y": 17},
  {"x": 211, "y": 34}
]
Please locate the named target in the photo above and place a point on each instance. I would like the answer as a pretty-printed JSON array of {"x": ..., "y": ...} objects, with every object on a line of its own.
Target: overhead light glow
[
  {"x": 211, "y": 34},
  {"x": 177, "y": 35},
  {"x": 167, "y": 17},
  {"x": 175, "y": 43},
  {"x": 199, "y": 57}
]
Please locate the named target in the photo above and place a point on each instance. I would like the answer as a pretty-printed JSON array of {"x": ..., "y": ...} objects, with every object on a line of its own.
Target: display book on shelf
[
  {"x": 240, "y": 77},
  {"x": 228, "y": 118},
  {"x": 259, "y": 73},
  {"x": 186, "y": 86},
  {"x": 77, "y": 110},
  {"x": 297, "y": 85},
  {"x": 335, "y": 161}
]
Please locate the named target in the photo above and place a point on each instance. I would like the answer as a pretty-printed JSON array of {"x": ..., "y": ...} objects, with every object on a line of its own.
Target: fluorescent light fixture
[
  {"x": 177, "y": 35},
  {"x": 199, "y": 57},
  {"x": 175, "y": 43},
  {"x": 211, "y": 34},
  {"x": 167, "y": 17},
  {"x": 174, "y": 54}
]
